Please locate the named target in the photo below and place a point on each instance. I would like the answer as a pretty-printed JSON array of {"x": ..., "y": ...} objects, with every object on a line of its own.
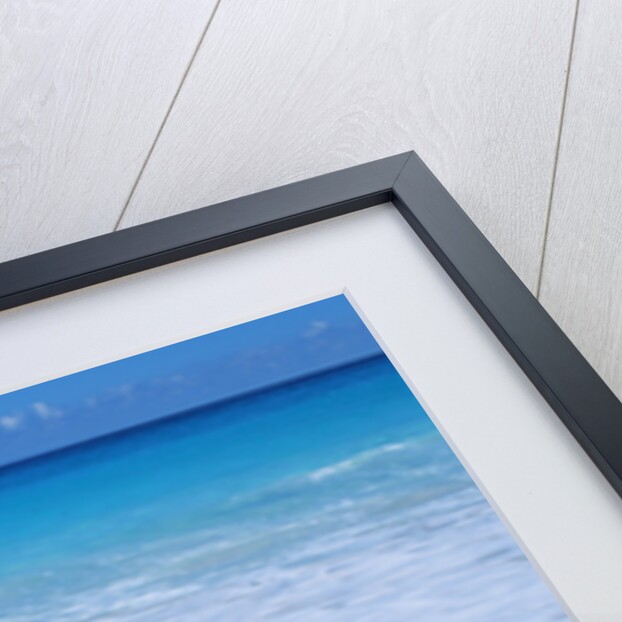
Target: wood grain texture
[
  {"x": 84, "y": 87},
  {"x": 582, "y": 270},
  {"x": 282, "y": 91}
]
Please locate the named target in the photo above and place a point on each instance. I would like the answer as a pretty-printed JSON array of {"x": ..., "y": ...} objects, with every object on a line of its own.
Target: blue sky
[{"x": 180, "y": 377}]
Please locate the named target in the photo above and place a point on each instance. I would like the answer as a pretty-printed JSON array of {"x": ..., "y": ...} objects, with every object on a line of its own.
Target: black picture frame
[{"x": 572, "y": 388}]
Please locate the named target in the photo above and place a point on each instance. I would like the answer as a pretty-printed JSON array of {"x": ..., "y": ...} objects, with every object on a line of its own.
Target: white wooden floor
[{"x": 112, "y": 114}]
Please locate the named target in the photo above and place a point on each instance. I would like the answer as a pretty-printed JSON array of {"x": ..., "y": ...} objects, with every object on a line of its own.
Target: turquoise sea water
[{"x": 332, "y": 498}]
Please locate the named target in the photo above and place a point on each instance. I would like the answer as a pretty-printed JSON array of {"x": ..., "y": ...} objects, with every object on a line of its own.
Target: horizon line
[{"x": 190, "y": 411}]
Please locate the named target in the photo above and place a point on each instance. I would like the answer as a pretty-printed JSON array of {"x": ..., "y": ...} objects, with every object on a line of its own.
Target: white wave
[
  {"x": 466, "y": 568},
  {"x": 355, "y": 462}
]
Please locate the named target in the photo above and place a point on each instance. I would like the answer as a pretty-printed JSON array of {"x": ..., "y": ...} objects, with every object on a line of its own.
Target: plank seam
[
  {"x": 547, "y": 218},
  {"x": 166, "y": 115}
]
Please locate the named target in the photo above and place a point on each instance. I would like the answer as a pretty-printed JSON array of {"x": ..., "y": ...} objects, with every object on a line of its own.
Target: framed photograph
[{"x": 328, "y": 401}]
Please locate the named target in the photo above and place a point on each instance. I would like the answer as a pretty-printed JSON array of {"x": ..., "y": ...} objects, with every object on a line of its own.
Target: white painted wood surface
[
  {"x": 84, "y": 87},
  {"x": 582, "y": 270},
  {"x": 282, "y": 91}
]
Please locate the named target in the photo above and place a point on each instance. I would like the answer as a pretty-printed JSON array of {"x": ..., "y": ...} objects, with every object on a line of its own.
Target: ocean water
[{"x": 332, "y": 498}]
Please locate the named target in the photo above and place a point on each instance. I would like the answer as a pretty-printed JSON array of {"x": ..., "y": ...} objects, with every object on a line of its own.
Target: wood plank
[
  {"x": 84, "y": 87},
  {"x": 582, "y": 275},
  {"x": 279, "y": 92}
]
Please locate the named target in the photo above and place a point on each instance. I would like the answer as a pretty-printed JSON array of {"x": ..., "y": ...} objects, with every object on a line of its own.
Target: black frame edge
[
  {"x": 572, "y": 388},
  {"x": 88, "y": 262}
]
